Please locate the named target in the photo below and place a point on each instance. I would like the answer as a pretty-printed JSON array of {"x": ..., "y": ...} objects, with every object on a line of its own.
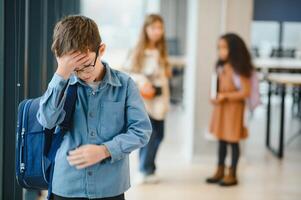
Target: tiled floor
[{"x": 261, "y": 175}]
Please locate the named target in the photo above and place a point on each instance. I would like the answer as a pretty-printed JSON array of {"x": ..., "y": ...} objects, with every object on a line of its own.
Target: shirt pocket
[{"x": 112, "y": 119}]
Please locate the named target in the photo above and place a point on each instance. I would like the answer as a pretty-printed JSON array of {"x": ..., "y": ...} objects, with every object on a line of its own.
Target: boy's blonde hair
[{"x": 75, "y": 33}]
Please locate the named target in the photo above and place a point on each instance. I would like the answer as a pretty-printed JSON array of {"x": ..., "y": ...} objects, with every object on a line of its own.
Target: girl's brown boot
[
  {"x": 218, "y": 176},
  {"x": 230, "y": 179}
]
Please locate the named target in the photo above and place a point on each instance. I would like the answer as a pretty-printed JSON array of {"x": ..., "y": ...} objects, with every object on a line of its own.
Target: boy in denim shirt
[{"x": 109, "y": 120}]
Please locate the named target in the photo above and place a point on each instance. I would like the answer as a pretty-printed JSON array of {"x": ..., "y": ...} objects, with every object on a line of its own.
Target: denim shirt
[{"x": 112, "y": 115}]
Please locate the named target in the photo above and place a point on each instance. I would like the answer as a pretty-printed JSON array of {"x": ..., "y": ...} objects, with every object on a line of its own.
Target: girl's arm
[
  {"x": 240, "y": 94},
  {"x": 166, "y": 92}
]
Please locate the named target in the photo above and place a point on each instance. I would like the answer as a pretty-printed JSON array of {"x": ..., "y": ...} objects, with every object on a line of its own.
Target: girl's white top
[{"x": 152, "y": 72}]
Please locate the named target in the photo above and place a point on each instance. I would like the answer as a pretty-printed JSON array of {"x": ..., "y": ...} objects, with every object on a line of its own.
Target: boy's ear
[{"x": 102, "y": 48}]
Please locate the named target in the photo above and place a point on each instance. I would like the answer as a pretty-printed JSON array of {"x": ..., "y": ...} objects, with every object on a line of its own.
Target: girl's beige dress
[{"x": 227, "y": 121}]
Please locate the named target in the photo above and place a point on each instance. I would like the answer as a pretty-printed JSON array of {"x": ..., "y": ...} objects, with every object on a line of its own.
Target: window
[
  {"x": 119, "y": 24},
  {"x": 291, "y": 35},
  {"x": 265, "y": 37}
]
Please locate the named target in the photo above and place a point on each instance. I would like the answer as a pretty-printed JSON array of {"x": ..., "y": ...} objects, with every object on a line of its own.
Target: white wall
[{"x": 239, "y": 15}]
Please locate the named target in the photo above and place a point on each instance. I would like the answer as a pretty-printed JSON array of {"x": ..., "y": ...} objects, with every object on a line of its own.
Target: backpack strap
[{"x": 69, "y": 108}]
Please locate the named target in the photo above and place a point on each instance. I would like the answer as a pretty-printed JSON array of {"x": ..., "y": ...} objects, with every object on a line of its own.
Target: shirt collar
[{"x": 109, "y": 78}]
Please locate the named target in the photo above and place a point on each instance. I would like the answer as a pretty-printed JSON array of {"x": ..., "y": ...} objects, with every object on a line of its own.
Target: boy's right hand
[{"x": 70, "y": 62}]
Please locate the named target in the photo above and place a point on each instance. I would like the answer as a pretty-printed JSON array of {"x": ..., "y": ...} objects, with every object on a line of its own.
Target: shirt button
[
  {"x": 90, "y": 114},
  {"x": 90, "y": 173},
  {"x": 92, "y": 133},
  {"x": 93, "y": 93}
]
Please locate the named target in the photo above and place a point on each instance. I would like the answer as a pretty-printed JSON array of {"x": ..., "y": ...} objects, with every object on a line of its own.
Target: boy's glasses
[{"x": 90, "y": 67}]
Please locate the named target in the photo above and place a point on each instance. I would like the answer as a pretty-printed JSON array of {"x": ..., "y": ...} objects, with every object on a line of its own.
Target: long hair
[
  {"x": 138, "y": 52},
  {"x": 238, "y": 55}
]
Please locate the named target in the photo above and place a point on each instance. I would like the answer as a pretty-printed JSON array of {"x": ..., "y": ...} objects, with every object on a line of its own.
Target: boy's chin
[{"x": 87, "y": 80}]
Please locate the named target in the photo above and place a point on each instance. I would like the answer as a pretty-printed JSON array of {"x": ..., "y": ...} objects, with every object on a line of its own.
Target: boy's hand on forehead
[{"x": 69, "y": 62}]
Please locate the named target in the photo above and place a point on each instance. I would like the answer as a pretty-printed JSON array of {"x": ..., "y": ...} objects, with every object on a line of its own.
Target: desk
[
  {"x": 283, "y": 80},
  {"x": 278, "y": 64}
]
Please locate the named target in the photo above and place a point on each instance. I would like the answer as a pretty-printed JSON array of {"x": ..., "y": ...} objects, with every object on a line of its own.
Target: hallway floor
[{"x": 261, "y": 175}]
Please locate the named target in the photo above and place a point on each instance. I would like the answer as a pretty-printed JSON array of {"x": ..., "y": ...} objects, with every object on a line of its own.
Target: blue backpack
[{"x": 36, "y": 146}]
